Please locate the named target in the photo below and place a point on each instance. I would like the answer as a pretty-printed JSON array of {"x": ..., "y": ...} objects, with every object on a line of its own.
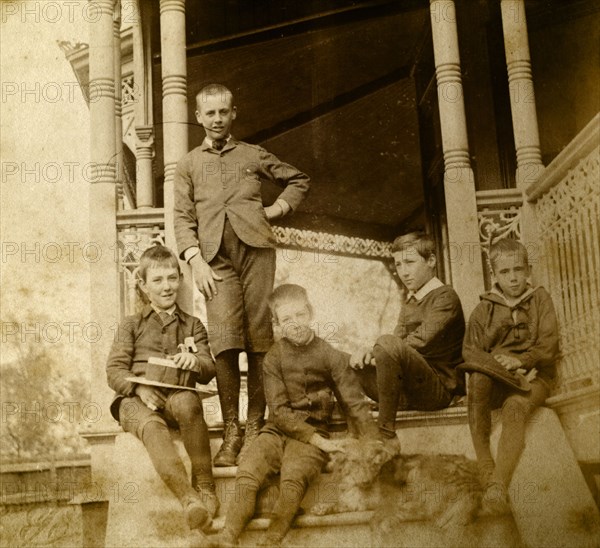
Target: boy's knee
[
  {"x": 151, "y": 427},
  {"x": 293, "y": 489},
  {"x": 390, "y": 349},
  {"x": 246, "y": 482},
  {"x": 479, "y": 380},
  {"x": 389, "y": 342},
  {"x": 515, "y": 408},
  {"x": 186, "y": 406}
]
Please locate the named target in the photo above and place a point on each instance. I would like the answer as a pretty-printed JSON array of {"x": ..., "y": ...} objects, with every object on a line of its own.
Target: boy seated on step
[
  {"x": 512, "y": 331},
  {"x": 302, "y": 374},
  {"x": 414, "y": 368},
  {"x": 148, "y": 411}
]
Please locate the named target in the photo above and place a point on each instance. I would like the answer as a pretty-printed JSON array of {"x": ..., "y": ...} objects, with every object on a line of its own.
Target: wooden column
[
  {"x": 174, "y": 92},
  {"x": 522, "y": 97},
  {"x": 459, "y": 185},
  {"x": 104, "y": 286},
  {"x": 143, "y": 109}
]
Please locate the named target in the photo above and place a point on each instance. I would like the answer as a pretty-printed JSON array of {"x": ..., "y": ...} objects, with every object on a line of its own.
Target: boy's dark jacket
[
  {"x": 142, "y": 336},
  {"x": 300, "y": 383},
  {"x": 435, "y": 327},
  {"x": 527, "y": 329}
]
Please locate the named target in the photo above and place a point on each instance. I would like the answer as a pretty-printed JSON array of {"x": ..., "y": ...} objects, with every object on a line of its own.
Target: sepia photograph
[{"x": 300, "y": 274}]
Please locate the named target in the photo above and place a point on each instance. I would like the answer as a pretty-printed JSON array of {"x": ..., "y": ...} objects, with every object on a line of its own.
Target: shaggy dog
[{"x": 441, "y": 489}]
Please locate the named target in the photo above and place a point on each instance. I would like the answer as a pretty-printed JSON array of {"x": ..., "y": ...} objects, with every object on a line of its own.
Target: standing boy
[
  {"x": 148, "y": 411},
  {"x": 513, "y": 328},
  {"x": 223, "y": 232},
  {"x": 415, "y": 367},
  {"x": 302, "y": 374}
]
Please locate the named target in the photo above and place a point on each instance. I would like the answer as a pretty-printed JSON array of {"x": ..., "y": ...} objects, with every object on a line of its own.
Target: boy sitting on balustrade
[
  {"x": 511, "y": 333},
  {"x": 147, "y": 411},
  {"x": 415, "y": 367}
]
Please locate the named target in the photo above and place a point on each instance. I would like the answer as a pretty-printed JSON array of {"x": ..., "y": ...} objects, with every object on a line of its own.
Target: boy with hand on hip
[
  {"x": 302, "y": 373},
  {"x": 147, "y": 411},
  {"x": 223, "y": 232},
  {"x": 513, "y": 330},
  {"x": 415, "y": 367}
]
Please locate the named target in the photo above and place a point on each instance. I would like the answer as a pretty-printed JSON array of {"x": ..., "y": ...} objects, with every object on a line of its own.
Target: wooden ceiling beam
[
  {"x": 339, "y": 101},
  {"x": 356, "y": 12}
]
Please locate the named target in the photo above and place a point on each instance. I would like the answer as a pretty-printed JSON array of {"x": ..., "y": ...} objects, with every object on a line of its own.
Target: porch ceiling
[{"x": 332, "y": 95}]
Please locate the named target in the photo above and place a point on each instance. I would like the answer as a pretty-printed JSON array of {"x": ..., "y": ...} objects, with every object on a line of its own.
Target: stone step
[
  {"x": 352, "y": 530},
  {"x": 551, "y": 503}
]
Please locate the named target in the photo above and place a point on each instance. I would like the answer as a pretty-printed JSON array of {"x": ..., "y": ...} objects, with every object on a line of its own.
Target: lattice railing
[{"x": 567, "y": 206}]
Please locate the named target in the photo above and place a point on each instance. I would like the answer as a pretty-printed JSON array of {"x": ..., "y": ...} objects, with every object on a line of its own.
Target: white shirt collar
[
  {"x": 169, "y": 312},
  {"x": 512, "y": 301},
  {"x": 425, "y": 289}
]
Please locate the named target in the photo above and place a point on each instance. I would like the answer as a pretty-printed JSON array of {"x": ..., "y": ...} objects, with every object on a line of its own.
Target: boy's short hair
[
  {"x": 157, "y": 255},
  {"x": 422, "y": 242},
  {"x": 285, "y": 293},
  {"x": 213, "y": 89},
  {"x": 505, "y": 247}
]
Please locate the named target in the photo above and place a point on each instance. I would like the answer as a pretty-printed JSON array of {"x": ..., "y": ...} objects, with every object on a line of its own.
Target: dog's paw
[
  {"x": 458, "y": 514},
  {"x": 322, "y": 509}
]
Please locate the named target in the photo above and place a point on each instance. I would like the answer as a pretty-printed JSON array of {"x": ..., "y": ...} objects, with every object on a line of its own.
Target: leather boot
[
  {"x": 232, "y": 443},
  {"x": 253, "y": 427}
]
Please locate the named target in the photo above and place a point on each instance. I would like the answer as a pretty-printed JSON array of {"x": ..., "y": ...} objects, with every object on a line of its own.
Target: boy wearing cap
[
  {"x": 224, "y": 233},
  {"x": 512, "y": 331},
  {"x": 147, "y": 411}
]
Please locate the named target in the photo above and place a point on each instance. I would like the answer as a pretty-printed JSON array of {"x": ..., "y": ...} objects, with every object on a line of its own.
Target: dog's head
[{"x": 361, "y": 461}]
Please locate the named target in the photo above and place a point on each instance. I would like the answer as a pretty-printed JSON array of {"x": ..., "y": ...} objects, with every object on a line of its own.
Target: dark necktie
[{"x": 218, "y": 144}]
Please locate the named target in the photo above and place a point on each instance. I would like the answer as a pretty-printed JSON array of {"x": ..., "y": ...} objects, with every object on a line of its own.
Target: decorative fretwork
[
  {"x": 128, "y": 91},
  {"x": 498, "y": 225},
  {"x": 569, "y": 226},
  {"x": 498, "y": 217},
  {"x": 331, "y": 243},
  {"x": 70, "y": 48},
  {"x": 133, "y": 241}
]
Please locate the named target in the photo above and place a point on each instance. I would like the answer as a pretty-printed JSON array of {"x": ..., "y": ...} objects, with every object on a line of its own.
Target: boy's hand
[
  {"x": 204, "y": 276},
  {"x": 152, "y": 397},
  {"x": 328, "y": 446},
  {"x": 509, "y": 362},
  {"x": 186, "y": 360},
  {"x": 361, "y": 358},
  {"x": 273, "y": 212},
  {"x": 280, "y": 208}
]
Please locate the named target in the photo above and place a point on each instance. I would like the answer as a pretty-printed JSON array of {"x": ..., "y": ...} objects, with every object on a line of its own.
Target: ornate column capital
[
  {"x": 144, "y": 133},
  {"x": 144, "y": 142}
]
